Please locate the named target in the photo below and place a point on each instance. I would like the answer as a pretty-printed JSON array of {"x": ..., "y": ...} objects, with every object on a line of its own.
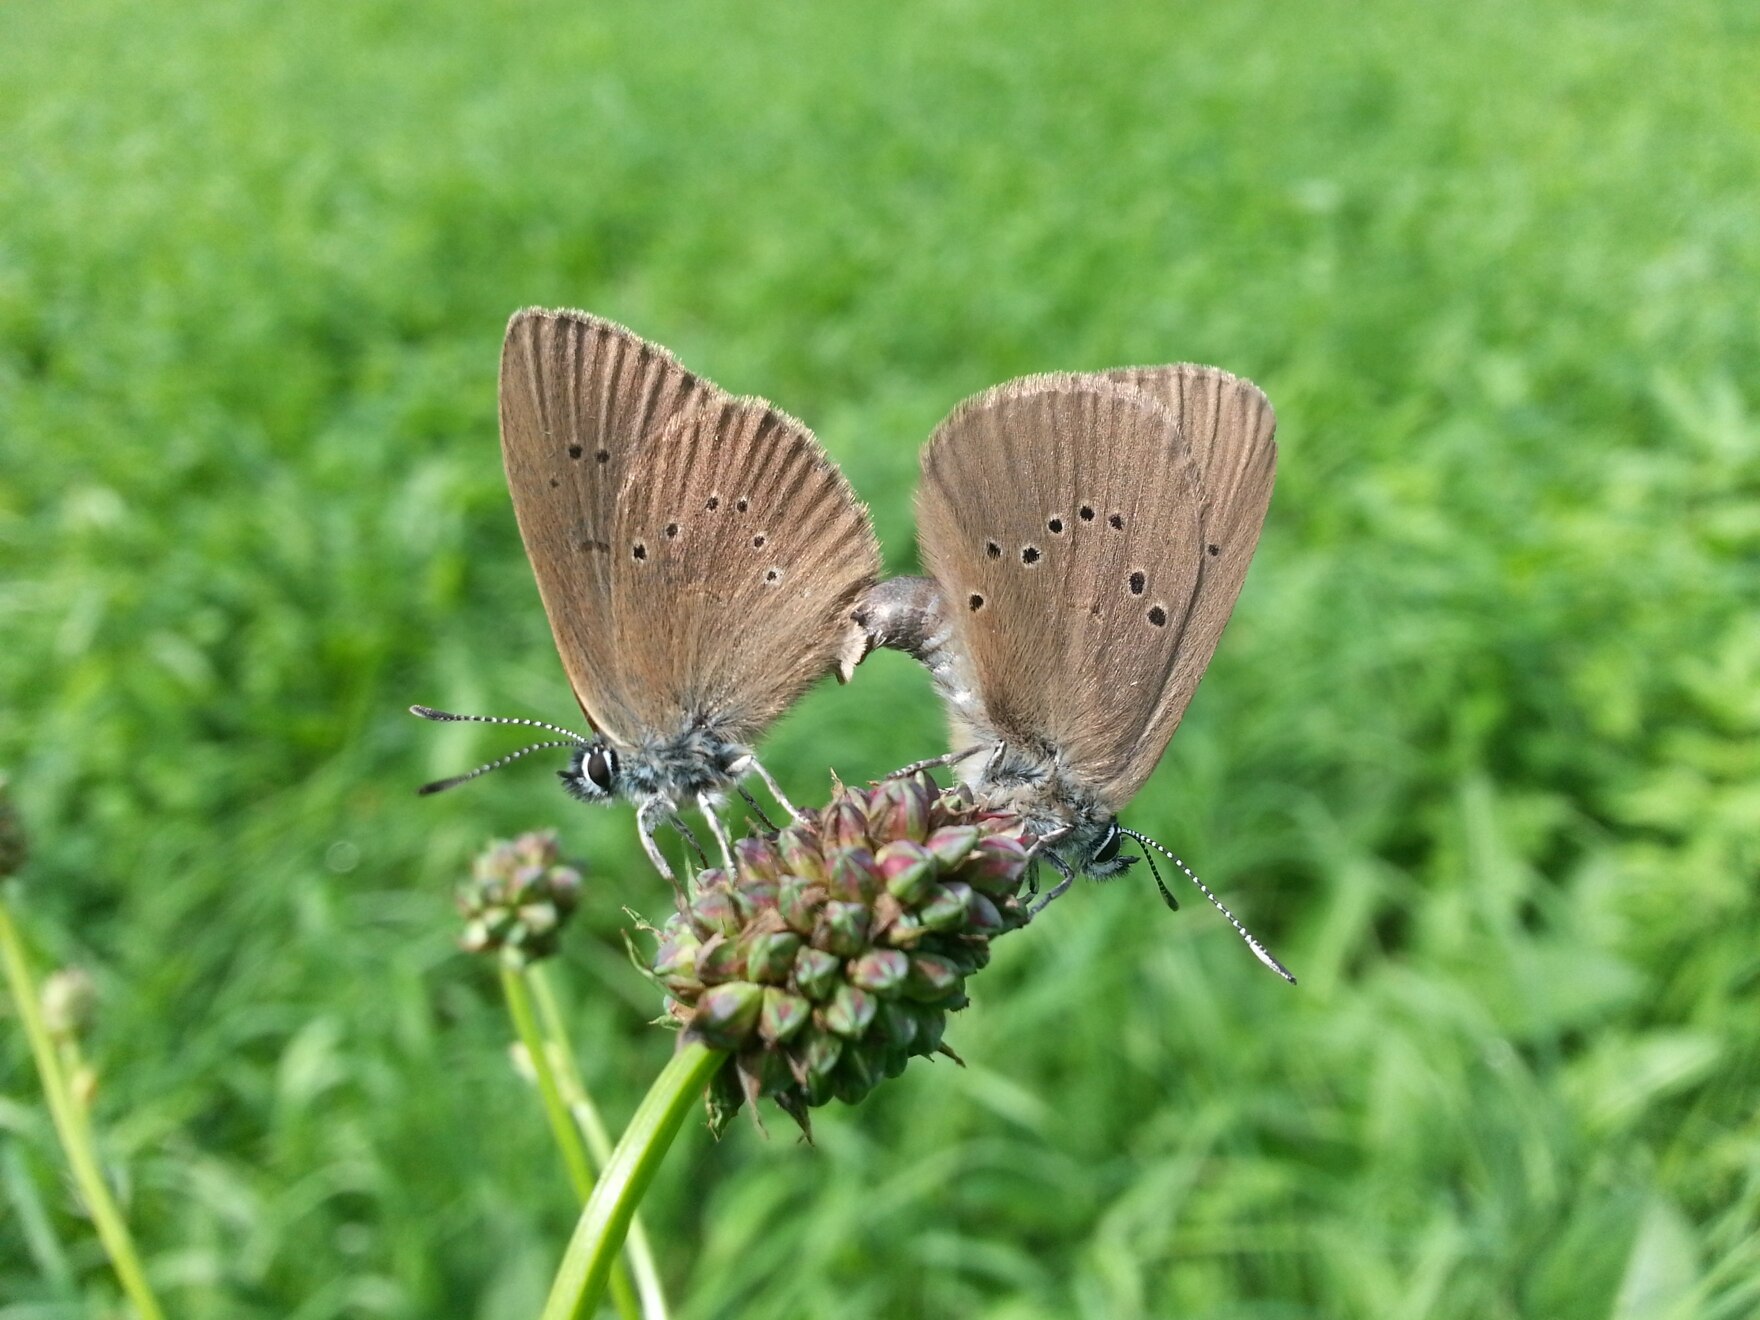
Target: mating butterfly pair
[{"x": 702, "y": 562}]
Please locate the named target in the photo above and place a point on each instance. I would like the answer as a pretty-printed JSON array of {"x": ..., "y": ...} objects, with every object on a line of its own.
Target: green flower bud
[
  {"x": 783, "y": 1015},
  {"x": 817, "y": 973},
  {"x": 853, "y": 877},
  {"x": 850, "y": 1011},
  {"x": 727, "y": 1013},
  {"x": 770, "y": 955},
  {"x": 881, "y": 971},
  {"x": 845, "y": 825},
  {"x": 803, "y": 853},
  {"x": 908, "y": 869},
  {"x": 799, "y": 900},
  {"x": 757, "y": 858},
  {"x": 842, "y": 929},
  {"x": 946, "y": 908},
  {"x": 932, "y": 976},
  {"x": 951, "y": 844}
]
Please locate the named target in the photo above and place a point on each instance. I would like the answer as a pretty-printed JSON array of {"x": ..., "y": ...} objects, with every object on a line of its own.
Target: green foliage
[{"x": 1478, "y": 757}]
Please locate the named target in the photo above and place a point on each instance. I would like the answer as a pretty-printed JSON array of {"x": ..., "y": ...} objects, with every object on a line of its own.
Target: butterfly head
[
  {"x": 593, "y": 772},
  {"x": 1103, "y": 861}
]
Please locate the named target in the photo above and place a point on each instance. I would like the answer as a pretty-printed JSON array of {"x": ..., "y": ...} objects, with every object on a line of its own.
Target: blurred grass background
[{"x": 1478, "y": 757}]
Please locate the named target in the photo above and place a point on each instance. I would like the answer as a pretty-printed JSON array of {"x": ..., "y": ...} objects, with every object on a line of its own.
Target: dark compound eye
[
  {"x": 601, "y": 766},
  {"x": 1108, "y": 848}
]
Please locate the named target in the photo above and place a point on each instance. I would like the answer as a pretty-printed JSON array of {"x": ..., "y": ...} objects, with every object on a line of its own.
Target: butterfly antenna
[
  {"x": 1259, "y": 950},
  {"x": 441, "y": 785},
  {"x": 447, "y": 717}
]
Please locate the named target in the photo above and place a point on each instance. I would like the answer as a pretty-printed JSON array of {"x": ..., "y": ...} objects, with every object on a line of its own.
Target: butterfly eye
[
  {"x": 602, "y": 765},
  {"x": 1108, "y": 848}
]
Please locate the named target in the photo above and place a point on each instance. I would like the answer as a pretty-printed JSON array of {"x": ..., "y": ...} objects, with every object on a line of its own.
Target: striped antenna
[
  {"x": 441, "y": 785},
  {"x": 1259, "y": 950},
  {"x": 447, "y": 717}
]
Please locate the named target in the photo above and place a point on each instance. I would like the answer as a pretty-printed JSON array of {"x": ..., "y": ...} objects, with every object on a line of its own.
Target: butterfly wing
[
  {"x": 737, "y": 555},
  {"x": 579, "y": 395},
  {"x": 1229, "y": 427},
  {"x": 1061, "y": 517}
]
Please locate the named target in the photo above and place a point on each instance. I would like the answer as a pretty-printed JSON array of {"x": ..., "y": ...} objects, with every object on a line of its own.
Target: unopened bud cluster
[
  {"x": 832, "y": 952},
  {"x": 518, "y": 898}
]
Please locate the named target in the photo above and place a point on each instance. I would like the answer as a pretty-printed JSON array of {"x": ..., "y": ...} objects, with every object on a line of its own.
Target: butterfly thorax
[{"x": 675, "y": 768}]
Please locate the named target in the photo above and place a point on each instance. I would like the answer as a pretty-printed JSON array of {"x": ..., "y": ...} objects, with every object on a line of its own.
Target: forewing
[
  {"x": 1229, "y": 429},
  {"x": 738, "y": 553},
  {"x": 1060, "y": 514},
  {"x": 578, "y": 397}
]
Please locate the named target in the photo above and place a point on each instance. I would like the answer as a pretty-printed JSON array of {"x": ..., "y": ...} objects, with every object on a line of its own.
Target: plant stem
[
  {"x": 572, "y": 1080},
  {"x": 587, "y": 1262},
  {"x": 562, "y": 1125},
  {"x": 71, "y": 1127},
  {"x": 556, "y": 1109}
]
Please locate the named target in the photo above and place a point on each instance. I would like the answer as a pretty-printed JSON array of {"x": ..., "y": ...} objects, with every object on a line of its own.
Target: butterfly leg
[
  {"x": 946, "y": 758},
  {"x": 757, "y": 811},
  {"x": 647, "y": 818},
  {"x": 706, "y": 805},
  {"x": 1057, "y": 890},
  {"x": 685, "y": 833},
  {"x": 750, "y": 762}
]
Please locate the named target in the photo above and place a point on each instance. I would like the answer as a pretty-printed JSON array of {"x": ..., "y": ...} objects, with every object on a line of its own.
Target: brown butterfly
[
  {"x": 698, "y": 556},
  {"x": 1086, "y": 536}
]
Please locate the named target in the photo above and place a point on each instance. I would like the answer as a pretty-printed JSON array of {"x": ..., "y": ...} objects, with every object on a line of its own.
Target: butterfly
[
  {"x": 697, "y": 554},
  {"x": 1085, "y": 536}
]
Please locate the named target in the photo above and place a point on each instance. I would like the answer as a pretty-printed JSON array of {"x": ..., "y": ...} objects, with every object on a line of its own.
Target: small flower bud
[
  {"x": 853, "y": 877},
  {"x": 952, "y": 843},
  {"x": 881, "y": 971},
  {"x": 908, "y": 869},
  {"x": 802, "y": 852},
  {"x": 931, "y": 977},
  {"x": 770, "y": 956},
  {"x": 845, "y": 825},
  {"x": 946, "y": 907},
  {"x": 799, "y": 900},
  {"x": 842, "y": 929},
  {"x": 816, "y": 973},
  {"x": 850, "y": 1011},
  {"x": 758, "y": 859},
  {"x": 900, "y": 811},
  {"x": 783, "y": 1015},
  {"x": 713, "y": 911},
  {"x": 720, "y": 961},
  {"x": 726, "y": 1014}
]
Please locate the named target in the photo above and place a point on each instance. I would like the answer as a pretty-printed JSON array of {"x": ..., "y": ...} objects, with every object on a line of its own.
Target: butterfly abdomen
[{"x": 909, "y": 614}]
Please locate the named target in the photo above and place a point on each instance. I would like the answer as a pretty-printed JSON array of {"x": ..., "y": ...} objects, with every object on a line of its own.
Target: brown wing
[
  {"x": 578, "y": 397},
  {"x": 1228, "y": 425},
  {"x": 1060, "y": 514},
  {"x": 737, "y": 554}
]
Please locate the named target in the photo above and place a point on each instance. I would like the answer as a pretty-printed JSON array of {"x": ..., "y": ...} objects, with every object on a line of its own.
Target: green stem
[
  {"x": 562, "y": 1125},
  {"x": 636, "y": 1249},
  {"x": 515, "y": 981},
  {"x": 70, "y": 1126},
  {"x": 587, "y": 1262}
]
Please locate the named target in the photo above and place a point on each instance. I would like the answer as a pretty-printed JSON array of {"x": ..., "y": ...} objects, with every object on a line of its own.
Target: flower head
[
  {"x": 831, "y": 952},
  {"x": 518, "y": 898}
]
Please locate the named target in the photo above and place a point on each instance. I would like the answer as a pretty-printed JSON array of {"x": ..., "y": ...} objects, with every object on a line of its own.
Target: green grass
[{"x": 1478, "y": 757}]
